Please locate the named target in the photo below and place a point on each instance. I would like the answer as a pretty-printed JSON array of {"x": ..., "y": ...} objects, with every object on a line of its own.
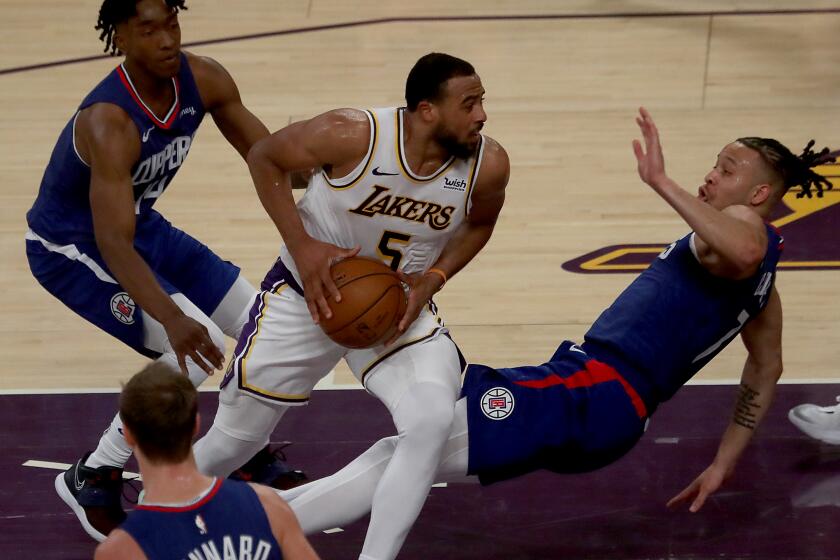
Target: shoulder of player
[
  {"x": 276, "y": 509},
  {"x": 751, "y": 218},
  {"x": 119, "y": 546},
  {"x": 107, "y": 126},
  {"x": 214, "y": 82},
  {"x": 345, "y": 131},
  {"x": 495, "y": 166}
]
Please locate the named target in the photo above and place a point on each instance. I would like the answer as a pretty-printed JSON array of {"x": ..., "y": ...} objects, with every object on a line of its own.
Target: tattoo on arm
[{"x": 746, "y": 407}]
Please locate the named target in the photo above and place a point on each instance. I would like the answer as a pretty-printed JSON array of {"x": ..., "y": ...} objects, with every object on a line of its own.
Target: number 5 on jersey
[{"x": 387, "y": 252}]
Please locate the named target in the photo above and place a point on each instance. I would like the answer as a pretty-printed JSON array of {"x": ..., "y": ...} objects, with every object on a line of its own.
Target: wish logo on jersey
[
  {"x": 807, "y": 224},
  {"x": 380, "y": 202}
]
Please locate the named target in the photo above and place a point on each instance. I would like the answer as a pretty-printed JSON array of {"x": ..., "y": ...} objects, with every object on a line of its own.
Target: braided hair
[
  {"x": 114, "y": 12},
  {"x": 794, "y": 170}
]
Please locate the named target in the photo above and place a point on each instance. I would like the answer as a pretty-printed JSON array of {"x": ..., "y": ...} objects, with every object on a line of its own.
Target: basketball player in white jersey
[{"x": 417, "y": 187}]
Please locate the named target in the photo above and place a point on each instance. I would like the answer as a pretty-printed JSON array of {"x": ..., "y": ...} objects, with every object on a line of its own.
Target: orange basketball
[{"x": 372, "y": 300}]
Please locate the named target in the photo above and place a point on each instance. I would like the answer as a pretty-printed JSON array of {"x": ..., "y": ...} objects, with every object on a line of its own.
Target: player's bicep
[
  {"x": 113, "y": 145},
  {"x": 222, "y": 100},
  {"x": 488, "y": 194},
  {"x": 331, "y": 139},
  {"x": 762, "y": 336}
]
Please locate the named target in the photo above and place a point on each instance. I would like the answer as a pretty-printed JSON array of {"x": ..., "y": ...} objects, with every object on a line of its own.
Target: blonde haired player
[{"x": 418, "y": 187}]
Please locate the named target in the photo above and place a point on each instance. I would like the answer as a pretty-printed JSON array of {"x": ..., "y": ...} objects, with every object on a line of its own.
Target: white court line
[
  {"x": 127, "y": 475},
  {"x": 327, "y": 383}
]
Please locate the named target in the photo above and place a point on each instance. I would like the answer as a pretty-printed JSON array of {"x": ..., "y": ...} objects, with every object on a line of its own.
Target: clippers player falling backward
[
  {"x": 417, "y": 187},
  {"x": 588, "y": 405}
]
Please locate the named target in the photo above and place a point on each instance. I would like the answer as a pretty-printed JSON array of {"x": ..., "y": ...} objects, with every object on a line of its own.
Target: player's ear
[
  {"x": 120, "y": 33},
  {"x": 129, "y": 437},
  {"x": 761, "y": 193},
  {"x": 428, "y": 111},
  {"x": 197, "y": 426}
]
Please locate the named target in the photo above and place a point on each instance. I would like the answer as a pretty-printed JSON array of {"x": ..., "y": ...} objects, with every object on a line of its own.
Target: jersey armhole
[
  {"x": 359, "y": 171},
  {"x": 692, "y": 245},
  {"x": 476, "y": 167},
  {"x": 73, "y": 138}
]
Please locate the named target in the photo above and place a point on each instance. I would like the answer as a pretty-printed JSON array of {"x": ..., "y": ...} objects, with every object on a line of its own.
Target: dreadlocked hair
[
  {"x": 794, "y": 170},
  {"x": 114, "y": 12}
]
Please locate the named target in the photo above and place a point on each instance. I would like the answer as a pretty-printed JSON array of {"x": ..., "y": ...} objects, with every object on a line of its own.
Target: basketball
[{"x": 372, "y": 300}]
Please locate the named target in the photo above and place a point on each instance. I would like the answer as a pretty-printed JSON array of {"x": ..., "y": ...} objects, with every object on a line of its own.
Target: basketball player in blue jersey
[
  {"x": 418, "y": 187},
  {"x": 185, "y": 514},
  {"x": 588, "y": 405},
  {"x": 96, "y": 243}
]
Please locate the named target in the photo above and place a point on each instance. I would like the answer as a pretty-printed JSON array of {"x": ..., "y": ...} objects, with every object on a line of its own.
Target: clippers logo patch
[
  {"x": 497, "y": 403},
  {"x": 123, "y": 308},
  {"x": 808, "y": 226}
]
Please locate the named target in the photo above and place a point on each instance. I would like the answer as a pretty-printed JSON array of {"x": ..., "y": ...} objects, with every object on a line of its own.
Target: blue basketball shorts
[
  {"x": 76, "y": 274},
  {"x": 571, "y": 414}
]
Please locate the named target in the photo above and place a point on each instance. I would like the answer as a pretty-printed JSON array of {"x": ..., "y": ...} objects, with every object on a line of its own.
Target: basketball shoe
[
  {"x": 269, "y": 467},
  {"x": 94, "y": 495},
  {"x": 819, "y": 422}
]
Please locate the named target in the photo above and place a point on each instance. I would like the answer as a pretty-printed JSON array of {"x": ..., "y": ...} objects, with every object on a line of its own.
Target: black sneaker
[
  {"x": 94, "y": 496},
  {"x": 269, "y": 467}
]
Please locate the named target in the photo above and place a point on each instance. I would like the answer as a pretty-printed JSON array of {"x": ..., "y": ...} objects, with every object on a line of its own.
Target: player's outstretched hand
[
  {"x": 314, "y": 259},
  {"x": 421, "y": 289},
  {"x": 650, "y": 159},
  {"x": 701, "y": 488},
  {"x": 190, "y": 338}
]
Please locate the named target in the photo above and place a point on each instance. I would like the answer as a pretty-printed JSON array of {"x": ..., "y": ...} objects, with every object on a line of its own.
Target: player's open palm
[
  {"x": 189, "y": 338},
  {"x": 313, "y": 260},
  {"x": 701, "y": 488},
  {"x": 650, "y": 161}
]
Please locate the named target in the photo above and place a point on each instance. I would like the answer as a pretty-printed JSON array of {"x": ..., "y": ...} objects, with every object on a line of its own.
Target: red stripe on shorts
[{"x": 595, "y": 372}]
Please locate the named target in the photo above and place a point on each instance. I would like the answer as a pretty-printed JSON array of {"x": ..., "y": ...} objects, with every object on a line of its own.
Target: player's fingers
[
  {"x": 404, "y": 278},
  {"x": 313, "y": 309},
  {"x": 698, "y": 501},
  {"x": 637, "y": 149},
  {"x": 680, "y": 497},
  {"x": 196, "y": 357},
  {"x": 320, "y": 299},
  {"x": 182, "y": 362},
  {"x": 331, "y": 289},
  {"x": 347, "y": 253},
  {"x": 213, "y": 354}
]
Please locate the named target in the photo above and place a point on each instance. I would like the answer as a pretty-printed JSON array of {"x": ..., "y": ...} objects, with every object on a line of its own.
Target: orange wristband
[{"x": 440, "y": 273}]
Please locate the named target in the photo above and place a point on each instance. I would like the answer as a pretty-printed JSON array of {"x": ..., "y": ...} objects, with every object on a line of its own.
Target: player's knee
[{"x": 426, "y": 412}]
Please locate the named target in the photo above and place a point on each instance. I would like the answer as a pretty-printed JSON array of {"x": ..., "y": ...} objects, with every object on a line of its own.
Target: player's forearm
[
  {"x": 137, "y": 279},
  {"x": 729, "y": 237},
  {"x": 463, "y": 247},
  {"x": 755, "y": 394},
  {"x": 275, "y": 193}
]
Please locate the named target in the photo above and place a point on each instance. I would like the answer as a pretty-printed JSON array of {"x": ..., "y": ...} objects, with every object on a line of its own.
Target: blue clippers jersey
[
  {"x": 676, "y": 316},
  {"x": 229, "y": 522},
  {"x": 62, "y": 213}
]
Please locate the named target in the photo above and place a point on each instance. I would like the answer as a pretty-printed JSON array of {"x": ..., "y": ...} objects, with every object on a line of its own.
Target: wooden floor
[{"x": 563, "y": 85}]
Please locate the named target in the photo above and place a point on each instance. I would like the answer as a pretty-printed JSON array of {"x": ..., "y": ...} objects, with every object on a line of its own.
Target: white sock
[{"x": 112, "y": 450}]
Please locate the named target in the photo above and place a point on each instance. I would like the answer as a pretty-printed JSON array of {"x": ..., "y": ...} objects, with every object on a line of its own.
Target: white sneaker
[{"x": 819, "y": 422}]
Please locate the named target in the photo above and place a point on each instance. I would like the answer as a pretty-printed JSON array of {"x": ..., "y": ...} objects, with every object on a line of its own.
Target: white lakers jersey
[{"x": 394, "y": 215}]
